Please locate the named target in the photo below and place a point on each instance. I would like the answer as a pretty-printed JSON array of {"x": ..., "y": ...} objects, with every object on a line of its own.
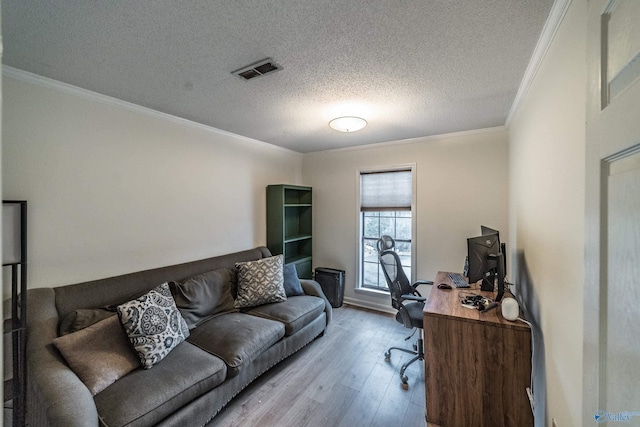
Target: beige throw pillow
[{"x": 99, "y": 354}]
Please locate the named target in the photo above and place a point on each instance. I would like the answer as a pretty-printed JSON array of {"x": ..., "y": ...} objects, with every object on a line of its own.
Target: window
[{"x": 385, "y": 208}]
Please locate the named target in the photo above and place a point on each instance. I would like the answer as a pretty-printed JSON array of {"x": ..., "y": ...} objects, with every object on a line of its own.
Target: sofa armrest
[
  {"x": 311, "y": 287},
  {"x": 56, "y": 396}
]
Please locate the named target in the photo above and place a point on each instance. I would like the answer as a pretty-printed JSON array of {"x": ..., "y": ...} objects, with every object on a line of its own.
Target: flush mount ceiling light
[{"x": 347, "y": 124}]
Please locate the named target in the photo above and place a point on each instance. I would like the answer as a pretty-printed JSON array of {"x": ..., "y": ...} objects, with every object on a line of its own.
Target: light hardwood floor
[{"x": 340, "y": 379}]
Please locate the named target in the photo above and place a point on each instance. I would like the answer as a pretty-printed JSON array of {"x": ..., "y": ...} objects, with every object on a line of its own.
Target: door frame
[{"x": 602, "y": 148}]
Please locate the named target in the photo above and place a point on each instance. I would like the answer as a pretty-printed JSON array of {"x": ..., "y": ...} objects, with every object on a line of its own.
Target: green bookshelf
[{"x": 289, "y": 225}]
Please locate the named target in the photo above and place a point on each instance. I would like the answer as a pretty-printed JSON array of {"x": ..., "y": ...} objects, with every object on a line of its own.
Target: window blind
[{"x": 386, "y": 191}]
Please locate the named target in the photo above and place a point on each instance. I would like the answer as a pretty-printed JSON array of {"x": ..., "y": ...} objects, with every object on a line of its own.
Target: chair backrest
[
  {"x": 385, "y": 242},
  {"x": 391, "y": 264}
]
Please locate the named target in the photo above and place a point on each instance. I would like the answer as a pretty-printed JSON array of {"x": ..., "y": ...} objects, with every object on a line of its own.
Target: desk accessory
[{"x": 510, "y": 309}]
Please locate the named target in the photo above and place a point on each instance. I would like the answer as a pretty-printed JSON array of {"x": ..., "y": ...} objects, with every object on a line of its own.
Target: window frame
[
  {"x": 359, "y": 286},
  {"x": 382, "y": 217}
]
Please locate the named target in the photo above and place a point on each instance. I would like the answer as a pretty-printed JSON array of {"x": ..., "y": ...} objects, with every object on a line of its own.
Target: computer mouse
[{"x": 444, "y": 286}]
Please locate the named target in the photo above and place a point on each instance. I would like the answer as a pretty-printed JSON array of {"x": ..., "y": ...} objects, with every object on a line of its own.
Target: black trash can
[{"x": 332, "y": 283}]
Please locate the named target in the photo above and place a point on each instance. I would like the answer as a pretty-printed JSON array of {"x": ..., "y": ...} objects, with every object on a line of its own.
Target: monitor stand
[
  {"x": 489, "y": 279},
  {"x": 488, "y": 282}
]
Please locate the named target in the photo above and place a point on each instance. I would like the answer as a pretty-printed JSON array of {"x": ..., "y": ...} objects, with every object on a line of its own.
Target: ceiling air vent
[{"x": 257, "y": 69}]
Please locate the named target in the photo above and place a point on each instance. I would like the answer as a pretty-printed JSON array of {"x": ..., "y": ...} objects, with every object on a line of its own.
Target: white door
[{"x": 612, "y": 257}]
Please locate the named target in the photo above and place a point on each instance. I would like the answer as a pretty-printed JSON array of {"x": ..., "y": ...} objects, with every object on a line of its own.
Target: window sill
[{"x": 372, "y": 292}]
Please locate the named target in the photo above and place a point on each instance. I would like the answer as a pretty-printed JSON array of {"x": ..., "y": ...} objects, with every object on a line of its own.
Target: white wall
[
  {"x": 461, "y": 184},
  {"x": 546, "y": 215},
  {"x": 113, "y": 188}
]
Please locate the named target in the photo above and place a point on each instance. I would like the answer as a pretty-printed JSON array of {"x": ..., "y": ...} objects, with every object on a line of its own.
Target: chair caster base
[
  {"x": 404, "y": 379},
  {"x": 417, "y": 355}
]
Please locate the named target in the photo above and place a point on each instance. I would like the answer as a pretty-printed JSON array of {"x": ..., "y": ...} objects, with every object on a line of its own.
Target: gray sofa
[{"x": 222, "y": 355}]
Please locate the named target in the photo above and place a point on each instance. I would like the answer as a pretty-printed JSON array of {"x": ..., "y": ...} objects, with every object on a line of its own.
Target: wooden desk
[{"x": 477, "y": 365}]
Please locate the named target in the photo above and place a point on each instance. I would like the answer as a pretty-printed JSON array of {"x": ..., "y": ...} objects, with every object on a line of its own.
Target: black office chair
[{"x": 405, "y": 298}]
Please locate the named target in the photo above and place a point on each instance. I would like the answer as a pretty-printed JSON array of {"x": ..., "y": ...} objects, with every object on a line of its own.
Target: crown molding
[
  {"x": 415, "y": 140},
  {"x": 555, "y": 18},
  {"x": 46, "y": 82}
]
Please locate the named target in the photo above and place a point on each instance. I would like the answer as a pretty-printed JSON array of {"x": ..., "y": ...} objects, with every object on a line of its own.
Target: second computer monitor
[
  {"x": 487, "y": 230},
  {"x": 483, "y": 256}
]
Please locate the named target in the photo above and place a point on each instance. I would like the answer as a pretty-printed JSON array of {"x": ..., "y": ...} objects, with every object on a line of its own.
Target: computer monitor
[
  {"x": 501, "y": 273},
  {"x": 503, "y": 247},
  {"x": 486, "y": 230},
  {"x": 486, "y": 257},
  {"x": 483, "y": 255}
]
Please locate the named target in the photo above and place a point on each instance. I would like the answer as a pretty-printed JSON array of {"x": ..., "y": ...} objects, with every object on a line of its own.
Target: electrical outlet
[{"x": 554, "y": 423}]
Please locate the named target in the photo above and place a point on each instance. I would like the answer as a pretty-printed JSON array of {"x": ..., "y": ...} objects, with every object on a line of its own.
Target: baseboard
[{"x": 370, "y": 305}]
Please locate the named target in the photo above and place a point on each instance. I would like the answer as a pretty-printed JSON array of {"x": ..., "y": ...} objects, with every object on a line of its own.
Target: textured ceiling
[{"x": 411, "y": 68}]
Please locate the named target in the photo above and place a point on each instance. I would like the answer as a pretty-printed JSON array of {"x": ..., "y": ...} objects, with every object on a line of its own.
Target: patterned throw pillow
[
  {"x": 153, "y": 324},
  {"x": 260, "y": 282}
]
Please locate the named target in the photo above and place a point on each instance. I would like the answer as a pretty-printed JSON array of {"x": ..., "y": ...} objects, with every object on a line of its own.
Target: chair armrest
[
  {"x": 413, "y": 298},
  {"x": 418, "y": 283},
  {"x": 422, "y": 282}
]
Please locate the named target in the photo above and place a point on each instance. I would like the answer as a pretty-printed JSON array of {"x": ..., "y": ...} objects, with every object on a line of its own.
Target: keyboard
[{"x": 458, "y": 281}]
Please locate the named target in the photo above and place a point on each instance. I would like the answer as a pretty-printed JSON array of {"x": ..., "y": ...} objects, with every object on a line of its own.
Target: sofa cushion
[
  {"x": 82, "y": 318},
  {"x": 260, "y": 282},
  {"x": 296, "y": 312},
  {"x": 154, "y": 324},
  {"x": 237, "y": 338},
  {"x": 204, "y": 296},
  {"x": 292, "y": 286},
  {"x": 99, "y": 354},
  {"x": 145, "y": 397}
]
